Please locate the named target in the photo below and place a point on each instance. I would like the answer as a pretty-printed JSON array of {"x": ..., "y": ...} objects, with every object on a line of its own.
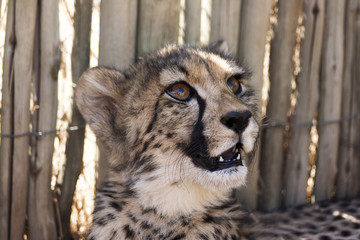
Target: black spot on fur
[
  {"x": 116, "y": 206},
  {"x": 179, "y": 236},
  {"x": 297, "y": 233},
  {"x": 169, "y": 104},
  {"x": 141, "y": 161},
  {"x": 218, "y": 232},
  {"x": 308, "y": 226},
  {"x": 324, "y": 237},
  {"x": 352, "y": 210},
  {"x": 169, "y": 135},
  {"x": 209, "y": 219},
  {"x": 345, "y": 233},
  {"x": 184, "y": 222},
  {"x": 233, "y": 237},
  {"x": 149, "y": 210},
  {"x": 183, "y": 70},
  {"x": 105, "y": 219},
  {"x": 129, "y": 232},
  {"x": 331, "y": 228},
  {"x": 145, "y": 146},
  {"x": 113, "y": 235},
  {"x": 148, "y": 167},
  {"x": 133, "y": 218},
  {"x": 157, "y": 145},
  {"x": 128, "y": 193},
  {"x": 203, "y": 236},
  {"x": 146, "y": 225},
  {"x": 321, "y": 218},
  {"x": 356, "y": 226}
]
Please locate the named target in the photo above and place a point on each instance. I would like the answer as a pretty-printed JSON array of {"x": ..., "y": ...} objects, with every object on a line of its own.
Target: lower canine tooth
[
  {"x": 238, "y": 156},
  {"x": 221, "y": 159}
]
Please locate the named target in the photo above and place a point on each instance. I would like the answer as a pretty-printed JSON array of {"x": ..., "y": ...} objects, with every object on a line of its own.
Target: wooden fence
[{"x": 321, "y": 101}]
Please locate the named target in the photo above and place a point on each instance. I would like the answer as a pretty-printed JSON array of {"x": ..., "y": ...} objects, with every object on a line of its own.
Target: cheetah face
[{"x": 181, "y": 115}]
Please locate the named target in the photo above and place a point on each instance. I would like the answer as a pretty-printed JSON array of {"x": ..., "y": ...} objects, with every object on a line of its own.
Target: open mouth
[{"x": 229, "y": 158}]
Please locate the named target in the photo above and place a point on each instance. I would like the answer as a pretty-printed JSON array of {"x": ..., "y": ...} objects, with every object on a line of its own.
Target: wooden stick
[
  {"x": 297, "y": 165},
  {"x": 25, "y": 21},
  {"x": 80, "y": 56},
  {"x": 225, "y": 22},
  {"x": 348, "y": 158},
  {"x": 281, "y": 72},
  {"x": 41, "y": 207},
  {"x": 158, "y": 24},
  {"x": 192, "y": 21},
  {"x": 330, "y": 98},
  {"x": 7, "y": 123}
]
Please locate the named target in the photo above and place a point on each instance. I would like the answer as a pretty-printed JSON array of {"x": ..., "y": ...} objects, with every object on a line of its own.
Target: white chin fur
[{"x": 221, "y": 180}]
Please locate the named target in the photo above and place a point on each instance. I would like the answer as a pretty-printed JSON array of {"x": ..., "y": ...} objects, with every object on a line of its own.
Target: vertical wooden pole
[
  {"x": 281, "y": 72},
  {"x": 118, "y": 33},
  {"x": 7, "y": 124},
  {"x": 330, "y": 98},
  {"x": 192, "y": 21},
  {"x": 348, "y": 182},
  {"x": 297, "y": 166},
  {"x": 41, "y": 208},
  {"x": 80, "y": 56},
  {"x": 118, "y": 22},
  {"x": 225, "y": 22},
  {"x": 25, "y": 21},
  {"x": 251, "y": 48},
  {"x": 158, "y": 24}
]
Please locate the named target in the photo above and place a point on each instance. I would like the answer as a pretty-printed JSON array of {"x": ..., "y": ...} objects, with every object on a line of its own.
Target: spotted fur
[
  {"x": 155, "y": 188},
  {"x": 326, "y": 220}
]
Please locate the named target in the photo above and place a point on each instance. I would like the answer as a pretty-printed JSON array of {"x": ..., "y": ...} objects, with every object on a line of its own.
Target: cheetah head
[{"x": 181, "y": 116}]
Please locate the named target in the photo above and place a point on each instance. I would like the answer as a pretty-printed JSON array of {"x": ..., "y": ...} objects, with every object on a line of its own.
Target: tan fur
[{"x": 154, "y": 188}]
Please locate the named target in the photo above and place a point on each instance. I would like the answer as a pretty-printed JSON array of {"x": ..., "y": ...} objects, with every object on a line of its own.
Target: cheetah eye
[
  {"x": 180, "y": 91},
  {"x": 234, "y": 84}
]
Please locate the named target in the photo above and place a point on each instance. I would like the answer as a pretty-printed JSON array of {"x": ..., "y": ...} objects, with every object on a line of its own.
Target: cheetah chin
[{"x": 180, "y": 128}]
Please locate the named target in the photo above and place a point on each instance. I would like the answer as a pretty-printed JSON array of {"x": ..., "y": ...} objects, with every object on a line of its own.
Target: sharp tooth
[
  {"x": 221, "y": 159},
  {"x": 238, "y": 156}
]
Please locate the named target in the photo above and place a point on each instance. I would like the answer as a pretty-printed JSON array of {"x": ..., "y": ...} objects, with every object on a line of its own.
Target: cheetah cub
[{"x": 180, "y": 128}]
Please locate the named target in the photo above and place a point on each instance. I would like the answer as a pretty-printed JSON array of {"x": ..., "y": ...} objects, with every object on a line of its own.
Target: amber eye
[
  {"x": 234, "y": 84},
  {"x": 180, "y": 91}
]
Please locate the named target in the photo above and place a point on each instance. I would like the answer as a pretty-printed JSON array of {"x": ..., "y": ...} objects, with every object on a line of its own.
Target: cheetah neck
[
  {"x": 179, "y": 199},
  {"x": 173, "y": 199}
]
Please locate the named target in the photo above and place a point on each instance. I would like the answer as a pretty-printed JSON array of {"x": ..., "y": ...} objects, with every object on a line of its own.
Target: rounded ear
[
  {"x": 220, "y": 47},
  {"x": 98, "y": 94}
]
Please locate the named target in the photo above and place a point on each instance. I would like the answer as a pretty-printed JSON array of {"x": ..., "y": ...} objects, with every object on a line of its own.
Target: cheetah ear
[
  {"x": 98, "y": 94},
  {"x": 220, "y": 47}
]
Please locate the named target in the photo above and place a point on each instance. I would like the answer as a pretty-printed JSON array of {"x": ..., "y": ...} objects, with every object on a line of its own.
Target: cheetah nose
[{"x": 236, "y": 121}]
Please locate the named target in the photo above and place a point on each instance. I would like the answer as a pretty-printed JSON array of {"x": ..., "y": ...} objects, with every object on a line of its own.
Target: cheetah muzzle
[{"x": 180, "y": 127}]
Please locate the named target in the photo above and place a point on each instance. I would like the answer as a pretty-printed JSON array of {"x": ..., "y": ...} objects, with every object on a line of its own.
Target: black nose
[{"x": 236, "y": 121}]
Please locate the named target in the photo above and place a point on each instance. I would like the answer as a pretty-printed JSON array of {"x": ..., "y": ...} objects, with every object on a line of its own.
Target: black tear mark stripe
[
  {"x": 198, "y": 143},
  {"x": 153, "y": 120}
]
